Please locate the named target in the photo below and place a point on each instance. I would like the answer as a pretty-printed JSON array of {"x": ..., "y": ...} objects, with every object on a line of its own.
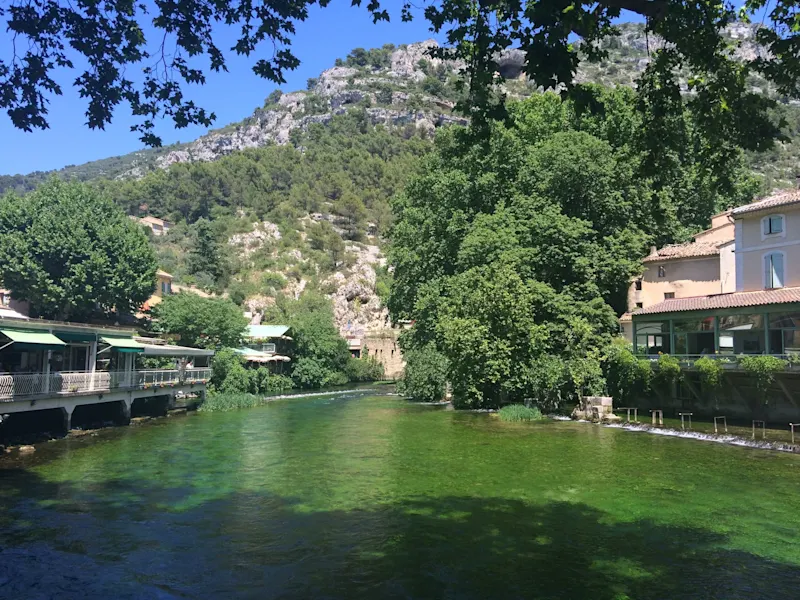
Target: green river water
[{"x": 373, "y": 497}]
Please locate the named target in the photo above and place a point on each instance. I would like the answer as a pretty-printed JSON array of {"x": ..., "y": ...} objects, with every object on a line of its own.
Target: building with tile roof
[{"x": 756, "y": 306}]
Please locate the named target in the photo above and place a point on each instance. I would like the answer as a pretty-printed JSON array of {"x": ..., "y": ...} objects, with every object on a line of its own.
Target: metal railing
[{"x": 13, "y": 387}]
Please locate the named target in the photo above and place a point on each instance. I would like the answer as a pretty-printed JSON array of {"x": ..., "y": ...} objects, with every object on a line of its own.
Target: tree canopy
[
  {"x": 72, "y": 254},
  {"x": 105, "y": 42},
  {"x": 200, "y": 322},
  {"x": 513, "y": 253}
]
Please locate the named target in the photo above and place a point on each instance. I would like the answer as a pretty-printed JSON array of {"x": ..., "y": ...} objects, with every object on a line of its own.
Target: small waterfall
[{"x": 708, "y": 437}]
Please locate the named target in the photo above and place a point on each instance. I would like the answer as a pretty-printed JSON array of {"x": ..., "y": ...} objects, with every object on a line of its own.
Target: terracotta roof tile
[
  {"x": 731, "y": 300},
  {"x": 778, "y": 199},
  {"x": 687, "y": 250}
]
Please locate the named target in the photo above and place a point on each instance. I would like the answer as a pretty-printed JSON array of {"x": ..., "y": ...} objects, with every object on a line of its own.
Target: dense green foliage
[
  {"x": 711, "y": 374},
  {"x": 519, "y": 412},
  {"x": 425, "y": 375},
  {"x": 200, "y": 322},
  {"x": 763, "y": 370},
  {"x": 363, "y": 369},
  {"x": 513, "y": 252},
  {"x": 320, "y": 356},
  {"x": 72, "y": 254},
  {"x": 668, "y": 370},
  {"x": 230, "y": 377},
  {"x": 347, "y": 167},
  {"x": 628, "y": 377}
]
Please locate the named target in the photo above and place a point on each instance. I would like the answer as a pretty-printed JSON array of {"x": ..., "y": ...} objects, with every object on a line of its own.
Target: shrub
[
  {"x": 763, "y": 369},
  {"x": 519, "y": 412},
  {"x": 627, "y": 376},
  {"x": 364, "y": 369},
  {"x": 669, "y": 369},
  {"x": 711, "y": 373},
  {"x": 425, "y": 376}
]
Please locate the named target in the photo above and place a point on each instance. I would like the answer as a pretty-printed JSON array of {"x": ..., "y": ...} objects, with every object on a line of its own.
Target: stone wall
[
  {"x": 384, "y": 348},
  {"x": 738, "y": 399}
]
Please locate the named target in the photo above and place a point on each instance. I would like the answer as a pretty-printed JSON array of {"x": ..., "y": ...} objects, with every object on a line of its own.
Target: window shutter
[
  {"x": 765, "y": 225},
  {"x": 768, "y": 271},
  {"x": 777, "y": 270},
  {"x": 777, "y": 225}
]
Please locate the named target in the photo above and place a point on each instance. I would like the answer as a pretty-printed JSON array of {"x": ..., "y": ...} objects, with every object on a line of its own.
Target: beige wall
[
  {"x": 721, "y": 230},
  {"x": 727, "y": 267},
  {"x": 751, "y": 248},
  {"x": 684, "y": 277},
  {"x": 385, "y": 349}
]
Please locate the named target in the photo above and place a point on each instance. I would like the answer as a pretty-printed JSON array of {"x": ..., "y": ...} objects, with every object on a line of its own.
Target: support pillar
[
  {"x": 67, "y": 414},
  {"x": 92, "y": 366},
  {"x": 47, "y": 361},
  {"x": 125, "y": 410}
]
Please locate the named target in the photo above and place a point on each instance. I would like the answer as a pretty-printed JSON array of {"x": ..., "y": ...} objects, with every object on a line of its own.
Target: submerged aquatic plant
[
  {"x": 519, "y": 412},
  {"x": 222, "y": 402}
]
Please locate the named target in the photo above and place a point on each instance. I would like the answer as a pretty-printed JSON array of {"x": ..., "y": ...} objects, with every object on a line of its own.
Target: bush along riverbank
[{"x": 518, "y": 412}]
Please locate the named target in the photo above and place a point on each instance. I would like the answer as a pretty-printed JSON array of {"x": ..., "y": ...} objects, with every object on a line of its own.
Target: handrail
[{"x": 21, "y": 385}]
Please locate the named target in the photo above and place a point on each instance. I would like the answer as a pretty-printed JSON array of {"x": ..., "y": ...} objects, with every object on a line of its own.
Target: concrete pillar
[
  {"x": 92, "y": 366},
  {"x": 47, "y": 360},
  {"x": 67, "y": 412},
  {"x": 125, "y": 410}
]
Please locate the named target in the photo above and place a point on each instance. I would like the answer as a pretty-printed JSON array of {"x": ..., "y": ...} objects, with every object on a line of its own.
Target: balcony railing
[{"x": 13, "y": 387}]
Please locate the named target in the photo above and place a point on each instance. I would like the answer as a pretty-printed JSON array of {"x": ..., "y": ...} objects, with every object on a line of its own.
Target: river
[{"x": 372, "y": 497}]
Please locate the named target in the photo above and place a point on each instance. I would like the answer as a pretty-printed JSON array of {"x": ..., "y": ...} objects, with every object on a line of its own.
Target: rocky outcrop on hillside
[
  {"x": 335, "y": 91},
  {"x": 357, "y": 309}
]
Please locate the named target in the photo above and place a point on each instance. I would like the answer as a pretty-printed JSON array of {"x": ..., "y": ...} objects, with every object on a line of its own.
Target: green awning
[
  {"x": 72, "y": 336},
  {"x": 123, "y": 344},
  {"x": 39, "y": 339}
]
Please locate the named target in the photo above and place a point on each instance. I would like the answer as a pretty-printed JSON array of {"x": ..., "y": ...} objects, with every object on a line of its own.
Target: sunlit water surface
[{"x": 373, "y": 497}]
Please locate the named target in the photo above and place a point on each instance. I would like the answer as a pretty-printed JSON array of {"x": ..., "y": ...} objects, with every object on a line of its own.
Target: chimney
[{"x": 653, "y": 251}]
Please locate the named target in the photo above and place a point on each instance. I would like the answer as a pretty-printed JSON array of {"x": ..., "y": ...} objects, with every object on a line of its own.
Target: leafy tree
[
  {"x": 352, "y": 209},
  {"x": 52, "y": 33},
  {"x": 425, "y": 375},
  {"x": 205, "y": 258},
  {"x": 513, "y": 252},
  {"x": 320, "y": 354},
  {"x": 72, "y": 254},
  {"x": 200, "y": 322}
]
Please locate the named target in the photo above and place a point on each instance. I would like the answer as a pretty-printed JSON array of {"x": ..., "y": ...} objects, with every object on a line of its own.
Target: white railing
[{"x": 13, "y": 387}]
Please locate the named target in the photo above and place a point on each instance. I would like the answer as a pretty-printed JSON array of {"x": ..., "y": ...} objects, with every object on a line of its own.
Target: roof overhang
[{"x": 169, "y": 350}]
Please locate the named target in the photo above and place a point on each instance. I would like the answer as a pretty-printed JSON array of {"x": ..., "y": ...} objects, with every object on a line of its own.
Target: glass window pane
[
  {"x": 786, "y": 320},
  {"x": 690, "y": 325},
  {"x": 652, "y": 327},
  {"x": 791, "y": 341},
  {"x": 741, "y": 322}
]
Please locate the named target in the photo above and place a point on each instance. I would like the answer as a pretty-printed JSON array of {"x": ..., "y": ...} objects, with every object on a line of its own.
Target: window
[
  {"x": 166, "y": 287},
  {"x": 5, "y": 299},
  {"x": 772, "y": 225},
  {"x": 638, "y": 305},
  {"x": 773, "y": 270},
  {"x": 669, "y": 295},
  {"x": 662, "y": 272},
  {"x": 638, "y": 285}
]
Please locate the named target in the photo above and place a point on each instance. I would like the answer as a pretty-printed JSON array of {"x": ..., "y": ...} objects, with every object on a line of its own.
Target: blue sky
[{"x": 327, "y": 34}]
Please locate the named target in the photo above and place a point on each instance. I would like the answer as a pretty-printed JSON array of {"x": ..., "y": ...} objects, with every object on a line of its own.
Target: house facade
[
  {"x": 156, "y": 225},
  {"x": 701, "y": 267},
  {"x": 756, "y": 308}
]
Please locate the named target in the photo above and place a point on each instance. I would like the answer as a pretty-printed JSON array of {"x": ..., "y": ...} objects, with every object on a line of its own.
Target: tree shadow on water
[{"x": 265, "y": 546}]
